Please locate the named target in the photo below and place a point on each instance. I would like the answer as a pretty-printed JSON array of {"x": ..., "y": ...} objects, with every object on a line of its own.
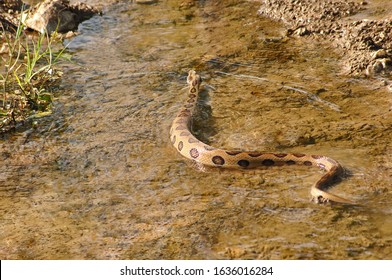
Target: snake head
[{"x": 193, "y": 79}]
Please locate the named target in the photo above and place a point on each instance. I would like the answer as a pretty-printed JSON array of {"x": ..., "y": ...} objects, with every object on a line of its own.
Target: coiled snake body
[{"x": 190, "y": 147}]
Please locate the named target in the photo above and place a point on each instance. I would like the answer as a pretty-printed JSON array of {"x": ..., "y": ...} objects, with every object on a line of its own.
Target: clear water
[{"x": 100, "y": 180}]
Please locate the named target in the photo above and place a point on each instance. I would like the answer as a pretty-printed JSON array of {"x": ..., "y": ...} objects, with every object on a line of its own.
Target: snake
[{"x": 203, "y": 154}]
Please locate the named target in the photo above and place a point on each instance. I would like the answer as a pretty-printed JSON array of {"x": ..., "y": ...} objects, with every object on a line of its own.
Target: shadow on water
[{"x": 98, "y": 179}]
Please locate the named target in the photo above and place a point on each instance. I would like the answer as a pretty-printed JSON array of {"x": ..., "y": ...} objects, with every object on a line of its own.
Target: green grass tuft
[{"x": 29, "y": 76}]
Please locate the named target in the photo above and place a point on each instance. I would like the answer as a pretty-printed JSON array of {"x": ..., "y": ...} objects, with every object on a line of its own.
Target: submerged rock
[{"x": 58, "y": 15}]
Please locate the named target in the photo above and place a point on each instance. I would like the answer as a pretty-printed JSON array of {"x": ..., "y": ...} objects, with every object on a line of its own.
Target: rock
[
  {"x": 379, "y": 66},
  {"x": 379, "y": 54},
  {"x": 4, "y": 49},
  {"x": 366, "y": 44},
  {"x": 58, "y": 15},
  {"x": 50, "y": 16},
  {"x": 301, "y": 31}
]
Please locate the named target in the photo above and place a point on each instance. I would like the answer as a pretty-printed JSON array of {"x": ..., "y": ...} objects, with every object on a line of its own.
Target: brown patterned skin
[{"x": 191, "y": 148}]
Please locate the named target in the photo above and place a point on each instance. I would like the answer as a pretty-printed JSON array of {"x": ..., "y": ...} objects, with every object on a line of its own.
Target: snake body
[{"x": 190, "y": 147}]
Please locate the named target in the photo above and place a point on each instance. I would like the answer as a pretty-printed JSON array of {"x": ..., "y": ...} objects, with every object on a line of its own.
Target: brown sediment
[{"x": 366, "y": 44}]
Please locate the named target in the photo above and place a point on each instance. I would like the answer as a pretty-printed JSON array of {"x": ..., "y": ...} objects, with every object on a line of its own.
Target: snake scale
[{"x": 190, "y": 147}]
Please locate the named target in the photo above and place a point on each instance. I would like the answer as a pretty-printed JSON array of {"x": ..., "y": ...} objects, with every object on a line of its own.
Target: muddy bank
[
  {"x": 365, "y": 44},
  {"x": 58, "y": 15}
]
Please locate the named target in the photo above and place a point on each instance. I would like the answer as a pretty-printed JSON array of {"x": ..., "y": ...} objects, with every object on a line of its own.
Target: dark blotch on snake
[
  {"x": 194, "y": 153},
  {"x": 192, "y": 140},
  {"x": 185, "y": 133},
  {"x": 299, "y": 155},
  {"x": 290, "y": 162},
  {"x": 174, "y": 139},
  {"x": 193, "y": 90},
  {"x": 180, "y": 146},
  {"x": 209, "y": 148},
  {"x": 307, "y": 163},
  {"x": 255, "y": 154},
  {"x": 268, "y": 162},
  {"x": 192, "y": 95},
  {"x": 243, "y": 163},
  {"x": 181, "y": 121},
  {"x": 218, "y": 160},
  {"x": 280, "y": 155},
  {"x": 183, "y": 114},
  {"x": 181, "y": 127},
  {"x": 233, "y": 153}
]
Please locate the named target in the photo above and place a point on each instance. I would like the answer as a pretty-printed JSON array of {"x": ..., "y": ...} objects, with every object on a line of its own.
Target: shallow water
[{"x": 99, "y": 179}]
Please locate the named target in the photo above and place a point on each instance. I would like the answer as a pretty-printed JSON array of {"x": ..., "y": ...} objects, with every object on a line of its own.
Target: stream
[{"x": 99, "y": 179}]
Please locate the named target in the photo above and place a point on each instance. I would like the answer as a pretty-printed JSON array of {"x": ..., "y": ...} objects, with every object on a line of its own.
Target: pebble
[{"x": 379, "y": 54}]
